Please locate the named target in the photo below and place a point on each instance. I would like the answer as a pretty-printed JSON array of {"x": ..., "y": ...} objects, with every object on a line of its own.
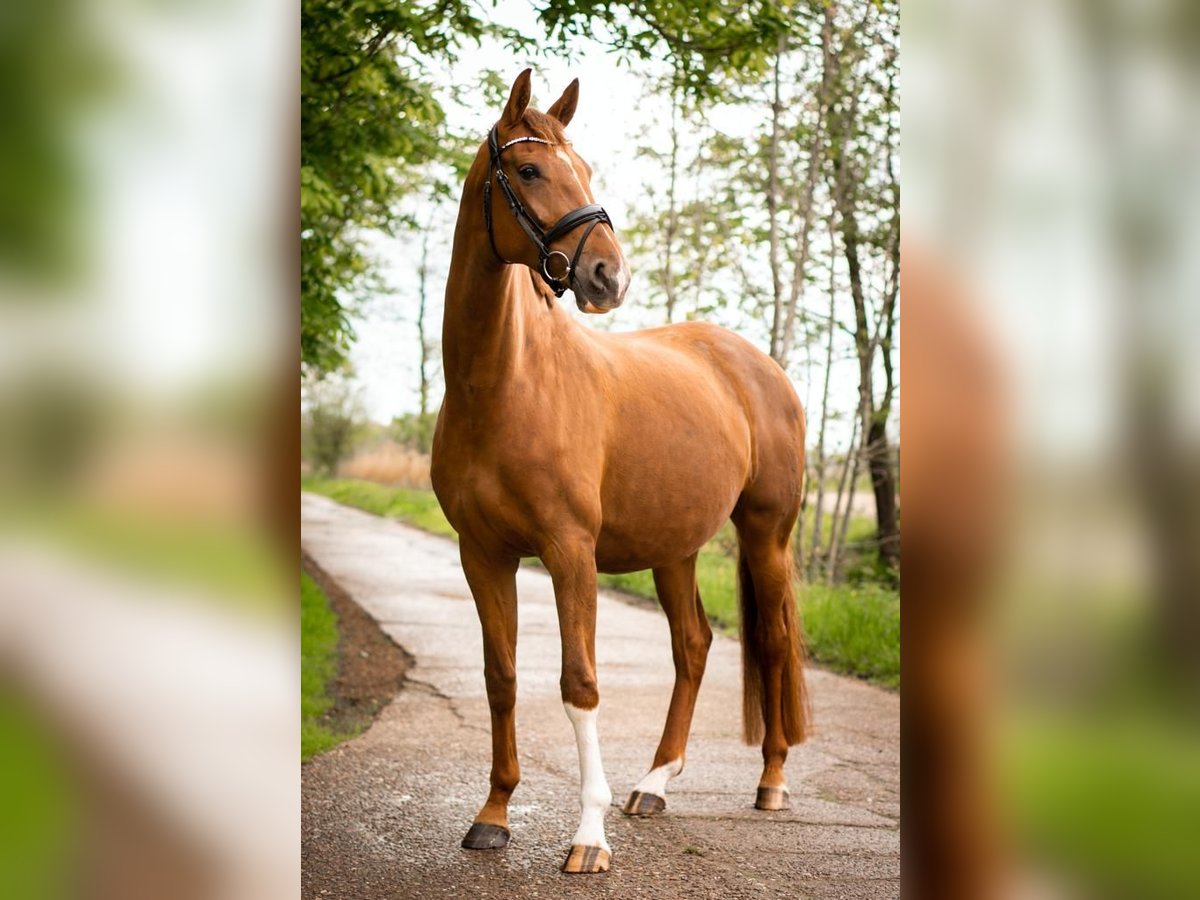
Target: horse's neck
[{"x": 494, "y": 319}]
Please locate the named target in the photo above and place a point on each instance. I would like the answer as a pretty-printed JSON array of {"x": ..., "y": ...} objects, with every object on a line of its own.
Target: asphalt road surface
[{"x": 383, "y": 814}]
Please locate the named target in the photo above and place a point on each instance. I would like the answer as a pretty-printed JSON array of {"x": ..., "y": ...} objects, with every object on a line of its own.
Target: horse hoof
[
  {"x": 640, "y": 804},
  {"x": 772, "y": 798},
  {"x": 586, "y": 860},
  {"x": 485, "y": 837}
]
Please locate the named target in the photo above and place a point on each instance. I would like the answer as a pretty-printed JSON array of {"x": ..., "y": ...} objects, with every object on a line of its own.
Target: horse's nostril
[{"x": 601, "y": 277}]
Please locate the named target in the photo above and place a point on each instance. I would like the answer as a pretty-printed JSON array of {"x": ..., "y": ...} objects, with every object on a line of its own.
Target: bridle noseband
[{"x": 542, "y": 239}]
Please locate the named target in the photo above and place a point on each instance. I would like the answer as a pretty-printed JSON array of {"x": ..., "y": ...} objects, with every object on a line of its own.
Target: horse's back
[{"x": 717, "y": 364}]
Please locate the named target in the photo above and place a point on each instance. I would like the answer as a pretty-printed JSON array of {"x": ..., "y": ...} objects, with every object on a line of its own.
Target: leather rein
[{"x": 593, "y": 214}]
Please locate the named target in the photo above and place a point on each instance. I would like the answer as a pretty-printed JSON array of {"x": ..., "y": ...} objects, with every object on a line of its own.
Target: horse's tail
[{"x": 757, "y": 641}]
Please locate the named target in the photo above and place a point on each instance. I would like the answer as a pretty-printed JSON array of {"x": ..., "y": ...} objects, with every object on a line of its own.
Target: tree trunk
[
  {"x": 773, "y": 211},
  {"x": 873, "y": 419},
  {"x": 837, "y": 527},
  {"x": 422, "y": 284},
  {"x": 815, "y": 159},
  {"x": 701, "y": 264},
  {"x": 672, "y": 208},
  {"x": 703, "y": 248},
  {"x": 883, "y": 483},
  {"x": 883, "y": 470},
  {"x": 820, "y": 508}
]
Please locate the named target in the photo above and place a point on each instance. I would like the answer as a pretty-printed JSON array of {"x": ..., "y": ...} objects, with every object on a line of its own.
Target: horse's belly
[{"x": 664, "y": 516}]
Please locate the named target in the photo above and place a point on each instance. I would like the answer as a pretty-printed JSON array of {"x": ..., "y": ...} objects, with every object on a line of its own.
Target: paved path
[{"x": 383, "y": 814}]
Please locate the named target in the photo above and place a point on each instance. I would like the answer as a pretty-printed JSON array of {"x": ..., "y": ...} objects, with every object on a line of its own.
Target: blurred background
[
  {"x": 148, "y": 642},
  {"x": 750, "y": 157},
  {"x": 1052, "y": 466}
]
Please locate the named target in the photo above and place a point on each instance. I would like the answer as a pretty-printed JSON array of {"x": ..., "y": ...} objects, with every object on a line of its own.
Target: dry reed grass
[{"x": 389, "y": 463}]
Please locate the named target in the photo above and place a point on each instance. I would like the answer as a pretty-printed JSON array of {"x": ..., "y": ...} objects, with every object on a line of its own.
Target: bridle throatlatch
[{"x": 593, "y": 213}]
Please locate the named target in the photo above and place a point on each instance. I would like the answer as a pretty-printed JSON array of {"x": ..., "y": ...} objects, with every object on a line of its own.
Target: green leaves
[
  {"x": 709, "y": 42},
  {"x": 372, "y": 130}
]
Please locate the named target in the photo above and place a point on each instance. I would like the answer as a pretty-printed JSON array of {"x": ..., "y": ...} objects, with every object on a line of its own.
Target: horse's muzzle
[{"x": 600, "y": 286}]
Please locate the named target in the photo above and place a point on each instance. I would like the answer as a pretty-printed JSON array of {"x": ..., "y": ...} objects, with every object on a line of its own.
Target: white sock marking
[
  {"x": 655, "y": 781},
  {"x": 594, "y": 795}
]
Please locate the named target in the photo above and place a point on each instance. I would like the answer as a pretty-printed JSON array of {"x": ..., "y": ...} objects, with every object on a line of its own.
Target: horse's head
[{"x": 538, "y": 203}]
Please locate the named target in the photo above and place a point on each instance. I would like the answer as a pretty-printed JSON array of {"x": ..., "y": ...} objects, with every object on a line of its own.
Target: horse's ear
[
  {"x": 564, "y": 107},
  {"x": 518, "y": 100}
]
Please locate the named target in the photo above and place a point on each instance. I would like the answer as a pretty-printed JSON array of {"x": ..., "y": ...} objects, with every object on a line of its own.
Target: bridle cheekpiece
[{"x": 593, "y": 214}]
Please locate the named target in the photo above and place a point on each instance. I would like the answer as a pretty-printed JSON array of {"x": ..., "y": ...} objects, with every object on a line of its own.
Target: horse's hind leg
[
  {"x": 690, "y": 640},
  {"x": 772, "y": 647}
]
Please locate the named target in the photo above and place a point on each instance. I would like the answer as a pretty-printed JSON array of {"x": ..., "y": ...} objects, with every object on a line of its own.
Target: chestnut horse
[{"x": 605, "y": 452}]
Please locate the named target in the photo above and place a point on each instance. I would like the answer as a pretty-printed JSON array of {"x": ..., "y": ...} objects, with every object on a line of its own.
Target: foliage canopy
[{"x": 371, "y": 121}]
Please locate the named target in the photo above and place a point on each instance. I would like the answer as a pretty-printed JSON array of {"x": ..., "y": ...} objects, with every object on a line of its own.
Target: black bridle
[{"x": 542, "y": 238}]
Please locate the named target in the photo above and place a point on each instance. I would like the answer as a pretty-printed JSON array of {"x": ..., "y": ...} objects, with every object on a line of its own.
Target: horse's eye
[{"x": 528, "y": 172}]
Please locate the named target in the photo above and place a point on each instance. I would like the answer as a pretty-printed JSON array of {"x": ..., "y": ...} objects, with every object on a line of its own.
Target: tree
[
  {"x": 783, "y": 332},
  {"x": 777, "y": 173},
  {"x": 370, "y": 123},
  {"x": 332, "y": 417},
  {"x": 707, "y": 41},
  {"x": 682, "y": 236},
  {"x": 857, "y": 135},
  {"x": 57, "y": 70},
  {"x": 424, "y": 346},
  {"x": 820, "y": 462}
]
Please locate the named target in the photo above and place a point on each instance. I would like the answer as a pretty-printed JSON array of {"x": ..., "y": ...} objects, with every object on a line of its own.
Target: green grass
[
  {"x": 318, "y": 668},
  {"x": 854, "y": 630},
  {"x": 716, "y": 575},
  {"x": 419, "y": 508},
  {"x": 851, "y": 629},
  {"x": 41, "y": 821},
  {"x": 1109, "y": 799},
  {"x": 232, "y": 562}
]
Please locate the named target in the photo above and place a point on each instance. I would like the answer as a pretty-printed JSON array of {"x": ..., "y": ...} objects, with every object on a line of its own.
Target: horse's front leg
[
  {"x": 493, "y": 584},
  {"x": 572, "y": 565}
]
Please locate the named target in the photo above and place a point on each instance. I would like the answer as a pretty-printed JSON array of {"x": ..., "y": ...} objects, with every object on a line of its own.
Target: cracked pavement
[{"x": 383, "y": 814}]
